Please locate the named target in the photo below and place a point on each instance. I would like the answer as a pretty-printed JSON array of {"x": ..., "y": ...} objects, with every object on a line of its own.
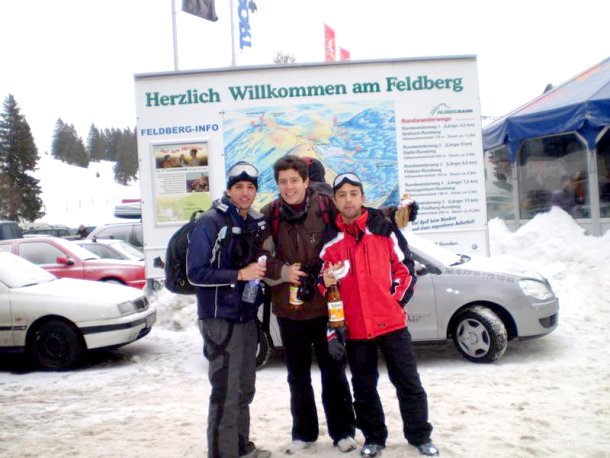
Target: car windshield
[
  {"x": 130, "y": 250},
  {"x": 16, "y": 272},
  {"x": 431, "y": 249},
  {"x": 78, "y": 250}
]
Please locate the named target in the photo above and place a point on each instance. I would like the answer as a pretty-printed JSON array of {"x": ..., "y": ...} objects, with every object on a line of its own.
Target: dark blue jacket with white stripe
[{"x": 211, "y": 264}]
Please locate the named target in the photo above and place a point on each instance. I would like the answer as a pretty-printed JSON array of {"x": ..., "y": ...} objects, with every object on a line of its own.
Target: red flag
[
  {"x": 344, "y": 53},
  {"x": 205, "y": 9},
  {"x": 330, "y": 50}
]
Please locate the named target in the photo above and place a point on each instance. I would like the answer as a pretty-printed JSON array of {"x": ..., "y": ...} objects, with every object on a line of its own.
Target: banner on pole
[
  {"x": 204, "y": 9},
  {"x": 330, "y": 50},
  {"x": 344, "y": 53}
]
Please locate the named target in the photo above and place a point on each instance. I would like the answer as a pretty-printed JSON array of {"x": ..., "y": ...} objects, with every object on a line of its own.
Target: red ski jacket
[{"x": 377, "y": 281}]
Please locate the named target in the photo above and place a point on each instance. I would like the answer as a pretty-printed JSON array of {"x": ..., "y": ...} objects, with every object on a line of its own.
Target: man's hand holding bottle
[{"x": 253, "y": 271}]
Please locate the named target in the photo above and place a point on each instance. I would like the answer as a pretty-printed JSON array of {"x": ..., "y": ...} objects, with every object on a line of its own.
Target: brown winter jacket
[{"x": 302, "y": 242}]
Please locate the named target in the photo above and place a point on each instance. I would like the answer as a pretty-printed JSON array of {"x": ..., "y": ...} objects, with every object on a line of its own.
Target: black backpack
[{"x": 176, "y": 279}]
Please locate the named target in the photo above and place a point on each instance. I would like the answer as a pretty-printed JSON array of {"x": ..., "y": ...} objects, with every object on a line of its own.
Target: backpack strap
[
  {"x": 325, "y": 206},
  {"x": 223, "y": 236},
  {"x": 274, "y": 218}
]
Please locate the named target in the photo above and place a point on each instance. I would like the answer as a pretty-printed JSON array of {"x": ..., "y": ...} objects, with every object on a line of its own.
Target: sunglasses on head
[
  {"x": 243, "y": 169},
  {"x": 349, "y": 177}
]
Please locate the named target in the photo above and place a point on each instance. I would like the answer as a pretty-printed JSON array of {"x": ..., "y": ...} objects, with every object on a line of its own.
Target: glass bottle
[
  {"x": 295, "y": 301},
  {"x": 251, "y": 289},
  {"x": 336, "y": 314}
]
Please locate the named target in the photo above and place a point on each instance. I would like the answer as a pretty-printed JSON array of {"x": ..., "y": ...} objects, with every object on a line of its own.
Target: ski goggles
[
  {"x": 348, "y": 177},
  {"x": 242, "y": 168},
  {"x": 242, "y": 171}
]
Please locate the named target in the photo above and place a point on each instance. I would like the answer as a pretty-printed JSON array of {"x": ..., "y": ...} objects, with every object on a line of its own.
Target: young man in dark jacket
[
  {"x": 376, "y": 280},
  {"x": 222, "y": 257},
  {"x": 298, "y": 227}
]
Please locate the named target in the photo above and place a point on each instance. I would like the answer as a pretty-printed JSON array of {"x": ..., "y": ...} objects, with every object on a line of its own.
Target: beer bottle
[
  {"x": 402, "y": 214},
  {"x": 336, "y": 314},
  {"x": 295, "y": 301}
]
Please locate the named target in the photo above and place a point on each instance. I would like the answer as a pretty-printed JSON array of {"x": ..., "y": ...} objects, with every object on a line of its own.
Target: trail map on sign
[{"x": 357, "y": 137}]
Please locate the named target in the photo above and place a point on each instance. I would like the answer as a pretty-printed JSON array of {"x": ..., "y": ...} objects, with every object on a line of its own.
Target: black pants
[
  {"x": 298, "y": 338},
  {"x": 397, "y": 350}
]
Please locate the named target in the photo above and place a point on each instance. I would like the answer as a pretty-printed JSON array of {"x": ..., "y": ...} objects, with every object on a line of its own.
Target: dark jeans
[
  {"x": 397, "y": 350},
  {"x": 298, "y": 338}
]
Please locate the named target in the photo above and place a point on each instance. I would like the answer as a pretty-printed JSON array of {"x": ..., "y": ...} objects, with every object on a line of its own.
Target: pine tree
[
  {"x": 96, "y": 145},
  {"x": 126, "y": 167},
  {"x": 282, "y": 57},
  {"x": 112, "y": 143},
  {"x": 67, "y": 146},
  {"x": 19, "y": 191}
]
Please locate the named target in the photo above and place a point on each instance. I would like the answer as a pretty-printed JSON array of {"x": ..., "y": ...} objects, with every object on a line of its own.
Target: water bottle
[{"x": 251, "y": 288}]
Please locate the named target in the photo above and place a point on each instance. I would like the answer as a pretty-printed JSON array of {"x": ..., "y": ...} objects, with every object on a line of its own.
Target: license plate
[{"x": 150, "y": 320}]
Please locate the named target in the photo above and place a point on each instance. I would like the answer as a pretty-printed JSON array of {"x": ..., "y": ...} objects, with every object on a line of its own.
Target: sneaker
[
  {"x": 253, "y": 452},
  {"x": 428, "y": 449},
  {"x": 347, "y": 444},
  {"x": 297, "y": 445},
  {"x": 372, "y": 450}
]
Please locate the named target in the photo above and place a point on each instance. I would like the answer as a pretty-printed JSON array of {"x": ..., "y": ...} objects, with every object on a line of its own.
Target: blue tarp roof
[{"x": 582, "y": 104}]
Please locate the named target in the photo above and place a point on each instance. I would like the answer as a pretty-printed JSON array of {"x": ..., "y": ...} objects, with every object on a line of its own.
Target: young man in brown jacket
[{"x": 298, "y": 221}]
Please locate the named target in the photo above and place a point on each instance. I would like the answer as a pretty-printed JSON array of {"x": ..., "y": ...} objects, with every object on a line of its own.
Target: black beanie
[{"x": 315, "y": 169}]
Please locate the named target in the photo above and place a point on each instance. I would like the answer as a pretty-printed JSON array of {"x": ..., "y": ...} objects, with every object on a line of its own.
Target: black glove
[
  {"x": 390, "y": 212},
  {"x": 413, "y": 211},
  {"x": 336, "y": 342}
]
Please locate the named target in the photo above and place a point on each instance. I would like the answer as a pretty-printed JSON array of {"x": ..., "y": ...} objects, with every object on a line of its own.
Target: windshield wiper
[{"x": 463, "y": 258}]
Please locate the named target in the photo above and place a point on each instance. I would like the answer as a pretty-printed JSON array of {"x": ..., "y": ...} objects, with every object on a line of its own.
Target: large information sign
[{"x": 410, "y": 125}]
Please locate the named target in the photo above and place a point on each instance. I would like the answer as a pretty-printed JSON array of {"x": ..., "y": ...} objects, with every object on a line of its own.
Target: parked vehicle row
[
  {"x": 65, "y": 258},
  {"x": 12, "y": 230},
  {"x": 57, "y": 321},
  {"x": 479, "y": 303},
  {"x": 55, "y": 231},
  {"x": 62, "y": 296}
]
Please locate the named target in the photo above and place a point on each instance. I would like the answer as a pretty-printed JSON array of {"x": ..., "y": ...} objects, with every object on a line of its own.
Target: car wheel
[
  {"x": 264, "y": 347},
  {"x": 113, "y": 280},
  {"x": 479, "y": 335},
  {"x": 57, "y": 345}
]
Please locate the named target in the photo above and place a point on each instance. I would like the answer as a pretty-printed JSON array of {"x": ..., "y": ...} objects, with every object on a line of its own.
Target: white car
[
  {"x": 479, "y": 302},
  {"x": 57, "y": 321}
]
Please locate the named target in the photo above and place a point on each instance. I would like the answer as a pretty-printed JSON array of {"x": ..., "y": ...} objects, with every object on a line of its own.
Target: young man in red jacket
[{"x": 376, "y": 281}]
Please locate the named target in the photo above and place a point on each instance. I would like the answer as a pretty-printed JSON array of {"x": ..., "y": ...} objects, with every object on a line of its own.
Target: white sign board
[{"x": 401, "y": 125}]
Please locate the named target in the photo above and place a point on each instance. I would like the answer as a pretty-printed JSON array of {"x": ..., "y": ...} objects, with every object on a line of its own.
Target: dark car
[
  {"x": 10, "y": 230},
  {"x": 54, "y": 231},
  {"x": 130, "y": 232},
  {"x": 64, "y": 258}
]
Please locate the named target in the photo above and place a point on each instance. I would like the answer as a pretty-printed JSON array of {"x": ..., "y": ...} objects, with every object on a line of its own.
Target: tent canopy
[{"x": 581, "y": 105}]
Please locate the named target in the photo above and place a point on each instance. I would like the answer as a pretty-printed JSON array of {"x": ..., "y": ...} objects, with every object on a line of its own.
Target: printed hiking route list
[{"x": 440, "y": 168}]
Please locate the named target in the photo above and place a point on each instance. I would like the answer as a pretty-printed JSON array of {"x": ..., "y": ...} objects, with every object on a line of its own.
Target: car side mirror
[
  {"x": 420, "y": 269},
  {"x": 64, "y": 260}
]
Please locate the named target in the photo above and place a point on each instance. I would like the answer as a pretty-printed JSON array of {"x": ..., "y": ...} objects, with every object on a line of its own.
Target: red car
[{"x": 64, "y": 258}]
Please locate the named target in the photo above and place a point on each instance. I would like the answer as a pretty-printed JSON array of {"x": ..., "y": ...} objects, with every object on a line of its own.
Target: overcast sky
[{"x": 76, "y": 59}]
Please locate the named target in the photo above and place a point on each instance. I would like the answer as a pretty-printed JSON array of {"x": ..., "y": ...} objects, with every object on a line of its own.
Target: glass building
[{"x": 555, "y": 150}]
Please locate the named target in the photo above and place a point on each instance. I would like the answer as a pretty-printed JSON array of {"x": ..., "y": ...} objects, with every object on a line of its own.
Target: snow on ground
[
  {"x": 76, "y": 195},
  {"x": 547, "y": 397}
]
